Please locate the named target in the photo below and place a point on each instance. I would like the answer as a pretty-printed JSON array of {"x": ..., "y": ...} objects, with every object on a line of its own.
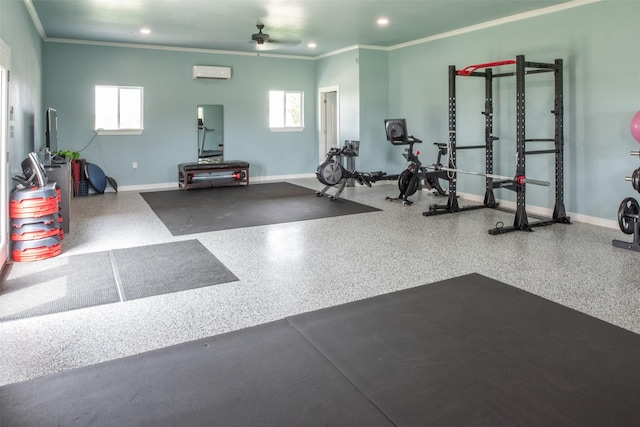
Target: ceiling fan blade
[{"x": 288, "y": 42}]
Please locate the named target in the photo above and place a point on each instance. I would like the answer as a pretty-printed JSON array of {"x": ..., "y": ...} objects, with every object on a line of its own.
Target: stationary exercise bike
[
  {"x": 332, "y": 173},
  {"x": 410, "y": 178}
]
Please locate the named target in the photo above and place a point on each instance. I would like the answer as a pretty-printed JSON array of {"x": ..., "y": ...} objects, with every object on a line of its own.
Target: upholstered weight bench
[{"x": 195, "y": 175}]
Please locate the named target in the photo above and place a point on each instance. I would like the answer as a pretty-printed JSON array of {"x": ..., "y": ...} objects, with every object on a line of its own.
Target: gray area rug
[{"x": 67, "y": 283}]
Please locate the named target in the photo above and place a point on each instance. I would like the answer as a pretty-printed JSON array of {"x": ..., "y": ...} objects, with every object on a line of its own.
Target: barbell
[{"x": 520, "y": 179}]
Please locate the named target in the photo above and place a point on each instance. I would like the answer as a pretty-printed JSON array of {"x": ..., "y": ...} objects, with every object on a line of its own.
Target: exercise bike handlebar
[{"x": 409, "y": 140}]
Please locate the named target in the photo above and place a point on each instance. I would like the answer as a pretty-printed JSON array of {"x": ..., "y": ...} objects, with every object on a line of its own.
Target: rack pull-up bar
[{"x": 467, "y": 71}]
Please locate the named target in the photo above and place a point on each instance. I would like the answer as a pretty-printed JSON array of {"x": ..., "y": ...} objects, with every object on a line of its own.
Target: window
[
  {"x": 119, "y": 110},
  {"x": 285, "y": 110}
]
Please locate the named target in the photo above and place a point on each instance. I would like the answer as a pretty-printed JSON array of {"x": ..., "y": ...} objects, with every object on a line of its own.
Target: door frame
[
  {"x": 322, "y": 120},
  {"x": 5, "y": 75}
]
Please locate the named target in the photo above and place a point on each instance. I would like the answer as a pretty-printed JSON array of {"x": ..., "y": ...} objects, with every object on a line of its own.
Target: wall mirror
[{"x": 210, "y": 133}]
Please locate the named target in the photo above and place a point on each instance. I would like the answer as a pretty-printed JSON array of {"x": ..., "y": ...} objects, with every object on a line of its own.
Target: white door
[
  {"x": 329, "y": 123},
  {"x": 4, "y": 146}
]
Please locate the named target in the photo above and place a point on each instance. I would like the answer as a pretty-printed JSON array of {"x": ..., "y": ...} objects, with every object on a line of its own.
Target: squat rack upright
[{"x": 518, "y": 184}]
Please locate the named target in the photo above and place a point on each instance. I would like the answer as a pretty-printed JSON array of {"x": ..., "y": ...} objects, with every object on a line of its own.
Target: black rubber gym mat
[
  {"x": 474, "y": 351},
  {"x": 84, "y": 280},
  {"x": 464, "y": 351},
  {"x": 168, "y": 267},
  {"x": 56, "y": 284},
  {"x": 268, "y": 375},
  {"x": 222, "y": 208}
]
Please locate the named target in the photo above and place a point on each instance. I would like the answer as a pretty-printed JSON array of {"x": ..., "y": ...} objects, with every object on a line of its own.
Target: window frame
[
  {"x": 283, "y": 113},
  {"x": 119, "y": 130}
]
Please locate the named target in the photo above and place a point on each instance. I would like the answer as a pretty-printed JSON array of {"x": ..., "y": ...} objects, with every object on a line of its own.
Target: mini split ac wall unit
[{"x": 208, "y": 72}]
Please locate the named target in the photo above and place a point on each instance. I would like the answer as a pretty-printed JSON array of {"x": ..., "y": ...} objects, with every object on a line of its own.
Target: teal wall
[
  {"x": 362, "y": 77},
  {"x": 343, "y": 70},
  {"x": 596, "y": 41},
  {"x": 601, "y": 93},
  {"x": 25, "y": 93},
  {"x": 171, "y": 98},
  {"x": 375, "y": 151}
]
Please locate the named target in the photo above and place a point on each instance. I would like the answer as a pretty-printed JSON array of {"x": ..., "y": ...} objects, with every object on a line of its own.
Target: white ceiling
[{"x": 228, "y": 24}]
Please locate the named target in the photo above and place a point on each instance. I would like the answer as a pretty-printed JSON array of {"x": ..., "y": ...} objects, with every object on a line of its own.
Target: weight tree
[{"x": 518, "y": 183}]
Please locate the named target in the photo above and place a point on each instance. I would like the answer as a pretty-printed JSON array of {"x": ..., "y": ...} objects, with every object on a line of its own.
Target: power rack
[{"x": 518, "y": 184}]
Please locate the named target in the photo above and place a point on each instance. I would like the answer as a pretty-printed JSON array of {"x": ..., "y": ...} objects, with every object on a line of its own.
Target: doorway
[{"x": 329, "y": 120}]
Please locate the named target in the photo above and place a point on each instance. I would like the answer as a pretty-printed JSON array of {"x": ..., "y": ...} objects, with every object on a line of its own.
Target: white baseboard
[
  {"x": 545, "y": 212},
  {"x": 146, "y": 187},
  {"x": 174, "y": 185},
  {"x": 273, "y": 178}
]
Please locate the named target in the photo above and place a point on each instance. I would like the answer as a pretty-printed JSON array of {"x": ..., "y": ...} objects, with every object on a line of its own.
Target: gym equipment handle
[{"x": 467, "y": 71}]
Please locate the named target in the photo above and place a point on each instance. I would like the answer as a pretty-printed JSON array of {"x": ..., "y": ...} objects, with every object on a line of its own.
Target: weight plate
[
  {"x": 406, "y": 184},
  {"x": 628, "y": 214},
  {"x": 635, "y": 180},
  {"x": 329, "y": 173}
]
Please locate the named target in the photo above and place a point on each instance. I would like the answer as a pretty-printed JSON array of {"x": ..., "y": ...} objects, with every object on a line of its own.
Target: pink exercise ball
[{"x": 635, "y": 127}]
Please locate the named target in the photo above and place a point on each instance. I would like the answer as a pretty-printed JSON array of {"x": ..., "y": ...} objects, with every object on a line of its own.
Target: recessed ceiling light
[
  {"x": 383, "y": 21},
  {"x": 145, "y": 31},
  {"x": 312, "y": 45}
]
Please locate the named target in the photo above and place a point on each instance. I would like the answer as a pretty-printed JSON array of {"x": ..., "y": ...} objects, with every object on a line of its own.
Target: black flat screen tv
[{"x": 51, "y": 133}]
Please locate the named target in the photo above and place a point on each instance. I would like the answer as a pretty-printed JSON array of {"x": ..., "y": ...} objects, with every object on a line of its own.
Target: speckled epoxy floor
[{"x": 291, "y": 268}]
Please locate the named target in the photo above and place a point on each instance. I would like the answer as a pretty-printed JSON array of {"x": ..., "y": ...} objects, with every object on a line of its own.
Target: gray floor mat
[
  {"x": 268, "y": 375},
  {"x": 211, "y": 209},
  {"x": 474, "y": 351},
  {"x": 78, "y": 281},
  {"x": 168, "y": 267},
  {"x": 463, "y": 351},
  {"x": 56, "y": 284}
]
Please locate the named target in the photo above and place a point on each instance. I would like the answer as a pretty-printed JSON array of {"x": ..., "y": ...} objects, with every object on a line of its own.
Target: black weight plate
[
  {"x": 628, "y": 207},
  {"x": 406, "y": 184},
  {"x": 635, "y": 180}
]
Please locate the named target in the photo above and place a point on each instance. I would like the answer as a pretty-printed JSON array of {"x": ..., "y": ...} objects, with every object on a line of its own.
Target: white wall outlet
[{"x": 135, "y": 165}]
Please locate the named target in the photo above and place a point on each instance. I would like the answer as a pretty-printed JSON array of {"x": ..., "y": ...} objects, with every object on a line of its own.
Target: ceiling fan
[{"x": 262, "y": 39}]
